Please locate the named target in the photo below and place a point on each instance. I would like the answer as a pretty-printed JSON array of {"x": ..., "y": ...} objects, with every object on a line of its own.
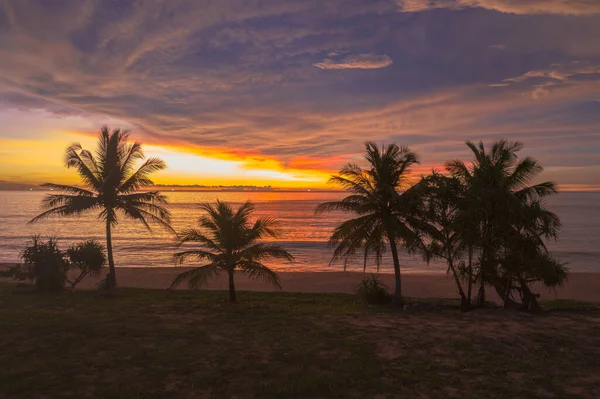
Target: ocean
[{"x": 303, "y": 233}]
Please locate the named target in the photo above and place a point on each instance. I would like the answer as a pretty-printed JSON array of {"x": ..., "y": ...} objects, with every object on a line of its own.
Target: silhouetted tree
[
  {"x": 229, "y": 242},
  {"x": 447, "y": 229},
  {"x": 88, "y": 258},
  {"x": 510, "y": 219},
  {"x": 111, "y": 185},
  {"x": 384, "y": 213},
  {"x": 44, "y": 264}
]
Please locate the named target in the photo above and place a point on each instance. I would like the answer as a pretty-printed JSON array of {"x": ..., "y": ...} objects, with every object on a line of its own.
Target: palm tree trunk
[
  {"x": 507, "y": 290},
  {"x": 481, "y": 293},
  {"x": 465, "y": 305},
  {"x": 232, "y": 297},
  {"x": 111, "y": 280},
  {"x": 470, "y": 289},
  {"x": 397, "y": 298}
]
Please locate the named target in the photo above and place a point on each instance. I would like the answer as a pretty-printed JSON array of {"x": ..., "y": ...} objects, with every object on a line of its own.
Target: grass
[{"x": 156, "y": 344}]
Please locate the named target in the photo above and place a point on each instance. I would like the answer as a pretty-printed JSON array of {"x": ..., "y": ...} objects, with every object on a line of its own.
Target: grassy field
[{"x": 160, "y": 344}]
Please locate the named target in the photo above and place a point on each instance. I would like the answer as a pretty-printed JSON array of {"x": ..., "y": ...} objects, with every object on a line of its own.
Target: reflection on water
[{"x": 303, "y": 233}]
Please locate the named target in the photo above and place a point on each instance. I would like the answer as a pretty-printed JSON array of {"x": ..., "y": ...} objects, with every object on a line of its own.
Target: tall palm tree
[
  {"x": 384, "y": 213},
  {"x": 111, "y": 185},
  {"x": 500, "y": 201},
  {"x": 229, "y": 242}
]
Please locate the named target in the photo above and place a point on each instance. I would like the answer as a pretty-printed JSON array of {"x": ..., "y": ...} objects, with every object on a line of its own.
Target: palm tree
[
  {"x": 443, "y": 213},
  {"x": 385, "y": 214},
  {"x": 230, "y": 242},
  {"x": 502, "y": 205},
  {"x": 111, "y": 185}
]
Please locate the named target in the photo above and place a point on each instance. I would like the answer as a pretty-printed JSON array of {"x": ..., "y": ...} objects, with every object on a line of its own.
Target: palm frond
[
  {"x": 69, "y": 189},
  {"x": 196, "y": 277},
  {"x": 263, "y": 251},
  {"x": 66, "y": 205},
  {"x": 85, "y": 168},
  {"x": 140, "y": 178},
  {"x": 199, "y": 254},
  {"x": 255, "y": 270},
  {"x": 193, "y": 235}
]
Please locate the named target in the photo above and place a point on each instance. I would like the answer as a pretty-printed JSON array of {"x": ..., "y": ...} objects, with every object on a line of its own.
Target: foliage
[
  {"x": 511, "y": 222},
  {"x": 384, "y": 213},
  {"x": 372, "y": 290},
  {"x": 45, "y": 264},
  {"x": 447, "y": 229},
  {"x": 229, "y": 242},
  {"x": 111, "y": 187},
  {"x": 88, "y": 258}
]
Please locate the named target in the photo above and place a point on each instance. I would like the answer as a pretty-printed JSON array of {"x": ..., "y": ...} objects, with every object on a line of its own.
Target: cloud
[
  {"x": 541, "y": 82},
  {"x": 361, "y": 61},
  {"x": 565, "y": 7},
  {"x": 235, "y": 79}
]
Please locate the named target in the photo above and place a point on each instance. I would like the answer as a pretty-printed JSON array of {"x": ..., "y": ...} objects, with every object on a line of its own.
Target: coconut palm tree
[
  {"x": 229, "y": 242},
  {"x": 384, "y": 213},
  {"x": 502, "y": 205},
  {"x": 444, "y": 211},
  {"x": 111, "y": 184}
]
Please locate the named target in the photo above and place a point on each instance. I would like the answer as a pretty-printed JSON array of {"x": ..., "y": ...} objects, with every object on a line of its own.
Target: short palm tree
[
  {"x": 111, "y": 185},
  {"x": 383, "y": 206},
  {"x": 229, "y": 242}
]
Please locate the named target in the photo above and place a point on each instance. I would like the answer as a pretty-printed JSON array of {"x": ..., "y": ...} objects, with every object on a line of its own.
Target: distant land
[{"x": 7, "y": 186}]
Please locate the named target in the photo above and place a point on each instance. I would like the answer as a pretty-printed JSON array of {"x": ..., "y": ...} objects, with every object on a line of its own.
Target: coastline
[{"x": 580, "y": 286}]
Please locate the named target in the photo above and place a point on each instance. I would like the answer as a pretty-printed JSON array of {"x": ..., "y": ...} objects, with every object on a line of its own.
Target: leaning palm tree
[
  {"x": 229, "y": 242},
  {"x": 111, "y": 185},
  {"x": 384, "y": 213}
]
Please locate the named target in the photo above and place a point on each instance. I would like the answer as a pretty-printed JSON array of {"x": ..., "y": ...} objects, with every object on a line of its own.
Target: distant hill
[{"x": 7, "y": 185}]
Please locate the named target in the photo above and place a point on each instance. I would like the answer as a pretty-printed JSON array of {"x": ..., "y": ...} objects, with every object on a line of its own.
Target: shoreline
[{"x": 580, "y": 286}]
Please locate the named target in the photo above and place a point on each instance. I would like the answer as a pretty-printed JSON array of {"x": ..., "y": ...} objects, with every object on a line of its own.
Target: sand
[{"x": 580, "y": 286}]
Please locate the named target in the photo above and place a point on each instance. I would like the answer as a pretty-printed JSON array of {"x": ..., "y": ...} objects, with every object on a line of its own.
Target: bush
[
  {"x": 46, "y": 263},
  {"x": 87, "y": 257},
  {"x": 372, "y": 290}
]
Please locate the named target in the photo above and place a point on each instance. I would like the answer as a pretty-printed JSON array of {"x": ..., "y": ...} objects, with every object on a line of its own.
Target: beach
[{"x": 580, "y": 286}]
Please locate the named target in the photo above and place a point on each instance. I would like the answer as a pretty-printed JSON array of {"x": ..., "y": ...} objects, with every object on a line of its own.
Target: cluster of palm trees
[{"x": 482, "y": 218}]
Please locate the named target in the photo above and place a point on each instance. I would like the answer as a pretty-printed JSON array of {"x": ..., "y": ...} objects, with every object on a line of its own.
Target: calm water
[{"x": 303, "y": 233}]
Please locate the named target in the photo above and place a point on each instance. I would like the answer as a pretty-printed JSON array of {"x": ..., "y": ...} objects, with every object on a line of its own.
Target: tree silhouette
[
  {"x": 385, "y": 214},
  {"x": 111, "y": 184},
  {"x": 230, "y": 242}
]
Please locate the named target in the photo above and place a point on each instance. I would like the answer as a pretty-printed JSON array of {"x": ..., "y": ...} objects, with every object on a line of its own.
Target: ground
[{"x": 157, "y": 343}]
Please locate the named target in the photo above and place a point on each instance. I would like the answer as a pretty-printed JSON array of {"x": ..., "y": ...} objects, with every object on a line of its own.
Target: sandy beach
[{"x": 580, "y": 286}]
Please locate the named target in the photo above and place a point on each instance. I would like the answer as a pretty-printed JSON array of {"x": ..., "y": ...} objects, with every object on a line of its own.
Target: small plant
[
  {"x": 372, "y": 290},
  {"x": 88, "y": 258}
]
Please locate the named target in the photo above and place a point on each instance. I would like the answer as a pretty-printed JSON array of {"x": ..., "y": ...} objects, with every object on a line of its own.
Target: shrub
[
  {"x": 88, "y": 258},
  {"x": 46, "y": 263},
  {"x": 372, "y": 290}
]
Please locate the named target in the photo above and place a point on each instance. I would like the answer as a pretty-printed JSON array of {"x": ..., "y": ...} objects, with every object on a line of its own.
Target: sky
[{"x": 285, "y": 92}]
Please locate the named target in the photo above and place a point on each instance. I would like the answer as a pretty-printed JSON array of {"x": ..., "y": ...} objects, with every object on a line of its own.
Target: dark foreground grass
[{"x": 160, "y": 344}]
